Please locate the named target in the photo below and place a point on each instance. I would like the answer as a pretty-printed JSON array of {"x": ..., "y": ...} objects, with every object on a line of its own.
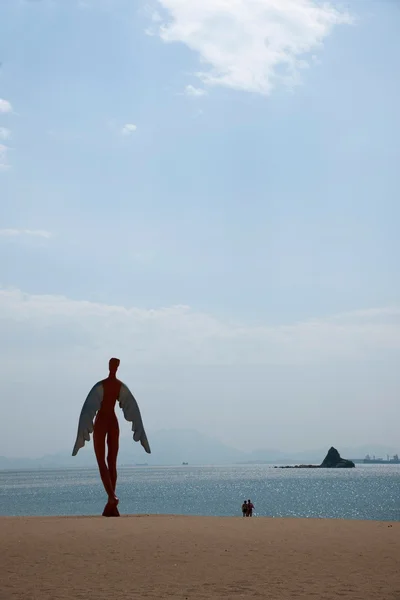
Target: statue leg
[
  {"x": 113, "y": 447},
  {"x": 99, "y": 442}
]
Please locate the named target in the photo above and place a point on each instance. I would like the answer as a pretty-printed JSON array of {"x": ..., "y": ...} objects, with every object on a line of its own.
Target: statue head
[{"x": 113, "y": 365}]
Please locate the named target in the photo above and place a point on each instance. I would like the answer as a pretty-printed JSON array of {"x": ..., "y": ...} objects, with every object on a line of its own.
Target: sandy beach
[{"x": 193, "y": 558}]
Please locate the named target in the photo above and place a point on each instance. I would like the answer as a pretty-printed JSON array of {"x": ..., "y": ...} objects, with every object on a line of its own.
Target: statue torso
[{"x": 111, "y": 391}]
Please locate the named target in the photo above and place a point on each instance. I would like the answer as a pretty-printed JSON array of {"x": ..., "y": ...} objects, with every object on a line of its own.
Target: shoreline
[
  {"x": 198, "y": 558},
  {"x": 205, "y": 517},
  {"x": 199, "y": 516}
]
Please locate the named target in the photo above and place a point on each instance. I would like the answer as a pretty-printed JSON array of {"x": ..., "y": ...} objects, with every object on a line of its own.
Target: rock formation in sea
[{"x": 332, "y": 460}]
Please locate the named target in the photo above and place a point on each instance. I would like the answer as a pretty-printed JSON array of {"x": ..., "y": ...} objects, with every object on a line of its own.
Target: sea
[{"x": 366, "y": 492}]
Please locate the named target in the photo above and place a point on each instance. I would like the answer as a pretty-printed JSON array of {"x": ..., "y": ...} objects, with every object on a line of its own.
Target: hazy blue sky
[{"x": 207, "y": 189}]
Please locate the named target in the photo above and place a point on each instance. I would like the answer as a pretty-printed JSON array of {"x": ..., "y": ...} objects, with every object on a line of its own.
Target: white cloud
[
  {"x": 179, "y": 335},
  {"x": 156, "y": 17},
  {"x": 25, "y": 232},
  {"x": 5, "y": 133},
  {"x": 5, "y": 106},
  {"x": 3, "y": 157},
  {"x": 128, "y": 129},
  {"x": 251, "y": 45},
  {"x": 190, "y": 90}
]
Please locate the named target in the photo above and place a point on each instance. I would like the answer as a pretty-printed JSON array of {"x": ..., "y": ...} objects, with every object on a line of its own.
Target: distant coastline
[
  {"x": 173, "y": 447},
  {"x": 394, "y": 460}
]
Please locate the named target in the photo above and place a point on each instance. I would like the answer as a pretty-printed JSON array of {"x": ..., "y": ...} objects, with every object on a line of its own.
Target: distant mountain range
[{"x": 173, "y": 447}]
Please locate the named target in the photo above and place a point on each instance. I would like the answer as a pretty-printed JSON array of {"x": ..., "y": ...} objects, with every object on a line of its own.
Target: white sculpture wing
[
  {"x": 131, "y": 412},
  {"x": 90, "y": 407}
]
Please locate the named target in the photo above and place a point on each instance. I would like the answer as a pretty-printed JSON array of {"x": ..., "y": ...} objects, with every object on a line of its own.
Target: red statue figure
[{"x": 101, "y": 400}]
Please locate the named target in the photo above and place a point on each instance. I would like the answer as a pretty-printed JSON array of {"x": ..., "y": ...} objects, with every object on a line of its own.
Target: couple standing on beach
[{"x": 247, "y": 508}]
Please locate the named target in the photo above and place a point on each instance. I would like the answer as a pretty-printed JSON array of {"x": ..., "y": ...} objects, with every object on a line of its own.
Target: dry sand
[{"x": 193, "y": 558}]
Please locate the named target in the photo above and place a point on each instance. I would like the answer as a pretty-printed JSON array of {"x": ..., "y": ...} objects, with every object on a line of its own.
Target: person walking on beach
[
  {"x": 250, "y": 508},
  {"x": 244, "y": 508}
]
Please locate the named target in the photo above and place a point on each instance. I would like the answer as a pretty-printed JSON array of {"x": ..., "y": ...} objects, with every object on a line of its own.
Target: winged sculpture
[{"x": 98, "y": 417}]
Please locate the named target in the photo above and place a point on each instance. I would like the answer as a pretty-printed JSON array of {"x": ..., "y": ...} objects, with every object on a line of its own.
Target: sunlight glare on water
[{"x": 366, "y": 492}]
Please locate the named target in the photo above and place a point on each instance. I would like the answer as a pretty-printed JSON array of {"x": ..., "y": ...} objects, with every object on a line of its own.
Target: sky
[{"x": 208, "y": 190}]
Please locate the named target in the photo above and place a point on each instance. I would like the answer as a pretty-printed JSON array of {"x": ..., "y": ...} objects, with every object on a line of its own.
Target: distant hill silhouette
[{"x": 173, "y": 447}]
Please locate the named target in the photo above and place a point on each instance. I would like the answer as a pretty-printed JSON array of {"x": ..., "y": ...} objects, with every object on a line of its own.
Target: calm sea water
[{"x": 366, "y": 492}]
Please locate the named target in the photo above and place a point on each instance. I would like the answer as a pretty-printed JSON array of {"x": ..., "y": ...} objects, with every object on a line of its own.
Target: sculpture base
[{"x": 110, "y": 510}]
